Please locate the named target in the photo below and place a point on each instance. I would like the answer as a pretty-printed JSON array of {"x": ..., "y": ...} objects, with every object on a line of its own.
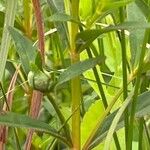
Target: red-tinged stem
[
  {"x": 34, "y": 111},
  {"x": 7, "y": 107},
  {"x": 37, "y": 96},
  {"x": 40, "y": 27}
]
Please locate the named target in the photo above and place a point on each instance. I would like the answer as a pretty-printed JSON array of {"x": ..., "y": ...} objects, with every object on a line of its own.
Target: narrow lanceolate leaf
[
  {"x": 25, "y": 49},
  {"x": 116, "y": 121},
  {"x": 85, "y": 38},
  {"x": 105, "y": 6},
  {"x": 143, "y": 6},
  {"x": 16, "y": 120},
  {"x": 78, "y": 68},
  {"x": 136, "y": 36},
  {"x": 142, "y": 109},
  {"x": 57, "y": 6},
  {"x": 9, "y": 21},
  {"x": 62, "y": 17}
]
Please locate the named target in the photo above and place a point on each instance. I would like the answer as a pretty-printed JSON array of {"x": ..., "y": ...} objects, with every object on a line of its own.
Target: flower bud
[{"x": 39, "y": 81}]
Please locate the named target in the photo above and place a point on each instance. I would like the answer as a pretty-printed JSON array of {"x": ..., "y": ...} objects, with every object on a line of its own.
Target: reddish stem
[
  {"x": 9, "y": 96},
  {"x": 37, "y": 96},
  {"x": 40, "y": 27}
]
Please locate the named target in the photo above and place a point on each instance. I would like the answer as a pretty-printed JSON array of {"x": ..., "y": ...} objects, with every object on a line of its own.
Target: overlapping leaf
[
  {"x": 25, "y": 49},
  {"x": 62, "y": 17},
  {"x": 5, "y": 43},
  {"x": 142, "y": 109},
  {"x": 143, "y": 6},
  {"x": 78, "y": 68},
  {"x": 85, "y": 38},
  {"x": 22, "y": 121}
]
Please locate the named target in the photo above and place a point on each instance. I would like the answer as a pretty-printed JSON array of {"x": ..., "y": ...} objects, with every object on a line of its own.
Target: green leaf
[
  {"x": 142, "y": 109},
  {"x": 90, "y": 75},
  {"x": 57, "y": 6},
  {"x": 95, "y": 110},
  {"x": 136, "y": 35},
  {"x": 38, "y": 61},
  {"x": 78, "y": 68},
  {"x": 86, "y": 9},
  {"x": 2, "y": 15},
  {"x": 21, "y": 121},
  {"x": 62, "y": 17},
  {"x": 116, "y": 121},
  {"x": 48, "y": 106},
  {"x": 116, "y": 4},
  {"x": 104, "y": 7},
  {"x": 85, "y": 38},
  {"x": 143, "y": 7},
  {"x": 25, "y": 49},
  {"x": 5, "y": 43}
]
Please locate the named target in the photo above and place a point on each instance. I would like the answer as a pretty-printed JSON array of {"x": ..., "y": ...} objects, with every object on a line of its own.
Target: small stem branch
[
  {"x": 61, "y": 118},
  {"x": 124, "y": 69}
]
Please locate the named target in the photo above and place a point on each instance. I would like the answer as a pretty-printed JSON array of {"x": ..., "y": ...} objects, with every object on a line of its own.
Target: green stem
[
  {"x": 107, "y": 111},
  {"x": 137, "y": 85},
  {"x": 75, "y": 82},
  {"x": 104, "y": 100},
  {"x": 61, "y": 118},
  {"x": 146, "y": 131},
  {"x": 76, "y": 99},
  {"x": 101, "y": 119},
  {"x": 124, "y": 69},
  {"x": 141, "y": 125},
  {"x": 100, "y": 87}
]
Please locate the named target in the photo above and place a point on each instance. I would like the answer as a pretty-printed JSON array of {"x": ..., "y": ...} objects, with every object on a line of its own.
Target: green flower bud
[{"x": 39, "y": 81}]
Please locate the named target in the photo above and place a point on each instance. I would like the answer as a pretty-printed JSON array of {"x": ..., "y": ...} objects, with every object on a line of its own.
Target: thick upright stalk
[{"x": 75, "y": 82}]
